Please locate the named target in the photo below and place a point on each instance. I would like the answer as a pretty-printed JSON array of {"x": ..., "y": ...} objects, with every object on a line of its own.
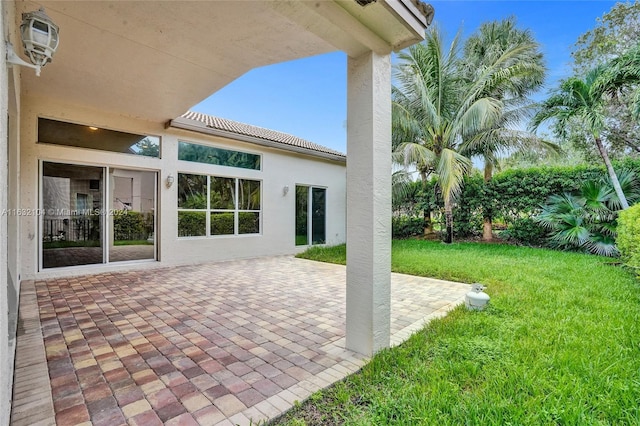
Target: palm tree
[
  {"x": 520, "y": 71},
  {"x": 434, "y": 110},
  {"x": 586, "y": 220},
  {"x": 584, "y": 100}
]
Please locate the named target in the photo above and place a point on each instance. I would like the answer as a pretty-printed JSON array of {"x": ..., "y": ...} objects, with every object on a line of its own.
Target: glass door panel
[
  {"x": 318, "y": 208},
  {"x": 302, "y": 213},
  {"x": 72, "y": 203},
  {"x": 132, "y": 215}
]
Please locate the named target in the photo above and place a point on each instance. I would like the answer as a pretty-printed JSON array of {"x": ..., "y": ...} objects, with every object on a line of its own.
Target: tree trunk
[
  {"x": 448, "y": 215},
  {"x": 426, "y": 213},
  {"x": 487, "y": 228},
  {"x": 428, "y": 224},
  {"x": 612, "y": 174}
]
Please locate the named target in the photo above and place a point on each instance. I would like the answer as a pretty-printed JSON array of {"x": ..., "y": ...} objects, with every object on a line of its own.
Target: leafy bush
[
  {"x": 131, "y": 226},
  {"x": 526, "y": 231},
  {"x": 513, "y": 198},
  {"x": 192, "y": 224},
  {"x": 629, "y": 236},
  {"x": 585, "y": 220},
  {"x": 248, "y": 223},
  {"x": 406, "y": 226},
  {"x": 222, "y": 224}
]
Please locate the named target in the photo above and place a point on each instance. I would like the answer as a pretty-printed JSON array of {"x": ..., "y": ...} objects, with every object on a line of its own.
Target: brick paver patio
[{"x": 219, "y": 343}]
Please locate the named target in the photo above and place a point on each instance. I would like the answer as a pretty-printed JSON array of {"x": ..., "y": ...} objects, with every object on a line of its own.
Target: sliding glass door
[
  {"x": 132, "y": 218},
  {"x": 72, "y": 228},
  {"x": 311, "y": 206},
  {"x": 76, "y": 228}
]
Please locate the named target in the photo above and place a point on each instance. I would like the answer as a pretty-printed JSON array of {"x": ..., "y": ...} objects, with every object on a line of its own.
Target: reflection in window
[
  {"x": 69, "y": 134},
  {"x": 310, "y": 215},
  {"x": 222, "y": 193},
  {"x": 249, "y": 195},
  {"x": 318, "y": 209},
  {"x": 302, "y": 214},
  {"x": 217, "y": 156},
  {"x": 192, "y": 191},
  {"x": 192, "y": 224},
  {"x": 232, "y": 207},
  {"x": 72, "y": 224}
]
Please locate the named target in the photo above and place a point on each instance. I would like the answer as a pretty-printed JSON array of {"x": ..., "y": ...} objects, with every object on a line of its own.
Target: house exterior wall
[
  {"x": 278, "y": 169},
  {"x": 5, "y": 367},
  {"x": 9, "y": 227}
]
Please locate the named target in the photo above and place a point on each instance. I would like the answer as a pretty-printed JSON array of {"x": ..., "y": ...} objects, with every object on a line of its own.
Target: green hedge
[
  {"x": 628, "y": 240},
  {"x": 192, "y": 224},
  {"x": 222, "y": 224},
  {"x": 406, "y": 226},
  {"x": 511, "y": 198},
  {"x": 132, "y": 226}
]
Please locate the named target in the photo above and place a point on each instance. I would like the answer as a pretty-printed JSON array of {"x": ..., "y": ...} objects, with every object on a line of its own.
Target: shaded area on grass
[{"x": 559, "y": 344}]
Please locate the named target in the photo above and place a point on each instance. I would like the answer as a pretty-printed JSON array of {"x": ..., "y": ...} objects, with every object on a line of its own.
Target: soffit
[{"x": 153, "y": 60}]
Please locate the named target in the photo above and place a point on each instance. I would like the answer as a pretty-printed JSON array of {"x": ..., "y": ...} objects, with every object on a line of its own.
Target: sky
[{"x": 307, "y": 97}]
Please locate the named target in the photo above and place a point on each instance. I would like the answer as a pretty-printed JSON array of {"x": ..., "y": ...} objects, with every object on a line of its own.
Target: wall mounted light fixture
[
  {"x": 170, "y": 180},
  {"x": 285, "y": 190},
  {"x": 365, "y": 2},
  {"x": 39, "y": 38}
]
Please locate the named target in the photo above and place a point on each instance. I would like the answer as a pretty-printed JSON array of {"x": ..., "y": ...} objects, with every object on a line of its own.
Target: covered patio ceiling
[{"x": 153, "y": 60}]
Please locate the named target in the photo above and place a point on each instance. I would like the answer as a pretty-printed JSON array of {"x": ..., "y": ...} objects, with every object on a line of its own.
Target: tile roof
[{"x": 286, "y": 140}]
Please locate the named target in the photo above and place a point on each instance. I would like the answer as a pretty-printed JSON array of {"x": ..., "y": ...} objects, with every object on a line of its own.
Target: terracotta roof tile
[{"x": 257, "y": 132}]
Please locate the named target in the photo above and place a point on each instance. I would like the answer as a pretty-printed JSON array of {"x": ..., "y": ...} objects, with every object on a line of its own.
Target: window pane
[
  {"x": 73, "y": 221},
  {"x": 318, "y": 205},
  {"x": 132, "y": 195},
  {"x": 192, "y": 191},
  {"x": 302, "y": 208},
  {"x": 249, "y": 194},
  {"x": 221, "y": 193},
  {"x": 218, "y": 156},
  {"x": 222, "y": 223},
  {"x": 192, "y": 224},
  {"x": 69, "y": 134},
  {"x": 248, "y": 223}
]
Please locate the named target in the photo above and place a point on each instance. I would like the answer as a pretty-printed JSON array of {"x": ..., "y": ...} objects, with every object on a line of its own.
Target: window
[
  {"x": 214, "y": 205},
  {"x": 217, "y": 156},
  {"x": 69, "y": 134},
  {"x": 310, "y": 215}
]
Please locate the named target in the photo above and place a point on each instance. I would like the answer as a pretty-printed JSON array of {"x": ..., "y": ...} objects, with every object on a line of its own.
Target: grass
[
  {"x": 558, "y": 345},
  {"x": 93, "y": 243},
  {"x": 67, "y": 244},
  {"x": 133, "y": 243}
]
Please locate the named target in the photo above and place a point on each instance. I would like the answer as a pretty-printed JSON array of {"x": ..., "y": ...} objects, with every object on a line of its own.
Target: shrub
[
  {"x": 129, "y": 226},
  {"x": 629, "y": 236},
  {"x": 406, "y": 226},
  {"x": 191, "y": 224},
  {"x": 248, "y": 223},
  {"x": 526, "y": 231},
  {"x": 222, "y": 223}
]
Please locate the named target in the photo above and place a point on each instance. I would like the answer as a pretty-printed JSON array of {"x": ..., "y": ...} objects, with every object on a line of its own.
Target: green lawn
[{"x": 559, "y": 345}]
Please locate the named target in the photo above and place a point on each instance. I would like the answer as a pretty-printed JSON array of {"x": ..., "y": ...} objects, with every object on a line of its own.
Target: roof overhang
[
  {"x": 153, "y": 60},
  {"x": 199, "y": 127}
]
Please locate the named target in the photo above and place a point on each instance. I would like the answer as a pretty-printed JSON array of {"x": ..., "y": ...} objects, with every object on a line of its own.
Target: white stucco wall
[
  {"x": 279, "y": 168},
  {"x": 4, "y": 342}
]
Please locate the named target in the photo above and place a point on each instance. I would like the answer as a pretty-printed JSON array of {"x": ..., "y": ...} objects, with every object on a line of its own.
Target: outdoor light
[
  {"x": 285, "y": 190},
  {"x": 39, "y": 38},
  {"x": 476, "y": 299},
  {"x": 365, "y": 2},
  {"x": 170, "y": 180}
]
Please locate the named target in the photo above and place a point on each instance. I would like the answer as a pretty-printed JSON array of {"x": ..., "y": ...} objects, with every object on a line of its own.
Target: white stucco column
[{"x": 368, "y": 203}]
